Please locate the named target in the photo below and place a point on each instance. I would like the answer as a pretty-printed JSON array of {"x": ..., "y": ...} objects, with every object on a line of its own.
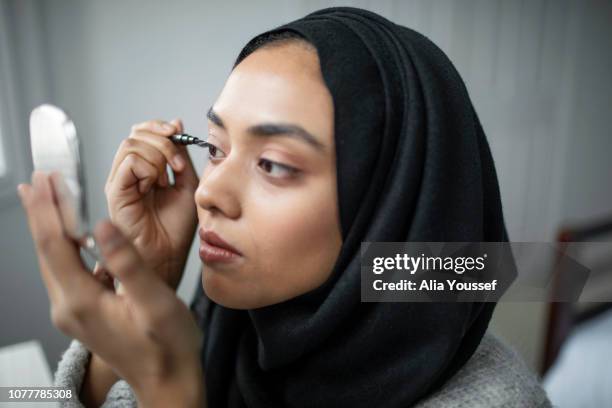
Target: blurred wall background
[{"x": 538, "y": 72}]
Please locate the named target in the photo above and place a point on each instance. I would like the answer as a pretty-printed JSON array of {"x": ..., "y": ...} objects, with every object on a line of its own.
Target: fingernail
[
  {"x": 178, "y": 162},
  {"x": 167, "y": 127}
]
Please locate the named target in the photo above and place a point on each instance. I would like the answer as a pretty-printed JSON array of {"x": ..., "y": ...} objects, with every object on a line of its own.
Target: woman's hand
[
  {"x": 146, "y": 333},
  {"x": 158, "y": 218}
]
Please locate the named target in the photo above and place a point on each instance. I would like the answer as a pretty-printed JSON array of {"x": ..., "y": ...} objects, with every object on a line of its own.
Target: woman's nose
[{"x": 219, "y": 189}]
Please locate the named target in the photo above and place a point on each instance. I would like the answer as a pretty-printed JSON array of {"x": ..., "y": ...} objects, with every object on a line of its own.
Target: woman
[{"x": 334, "y": 129}]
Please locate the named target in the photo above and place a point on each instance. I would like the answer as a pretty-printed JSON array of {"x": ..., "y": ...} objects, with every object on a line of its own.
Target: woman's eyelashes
[
  {"x": 284, "y": 171},
  {"x": 271, "y": 168},
  {"x": 212, "y": 149}
]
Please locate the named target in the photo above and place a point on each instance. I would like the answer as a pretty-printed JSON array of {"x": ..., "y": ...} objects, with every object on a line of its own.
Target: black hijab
[{"x": 413, "y": 164}]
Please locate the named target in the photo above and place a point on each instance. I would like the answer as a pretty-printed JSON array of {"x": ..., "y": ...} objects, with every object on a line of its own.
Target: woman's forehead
[{"x": 278, "y": 84}]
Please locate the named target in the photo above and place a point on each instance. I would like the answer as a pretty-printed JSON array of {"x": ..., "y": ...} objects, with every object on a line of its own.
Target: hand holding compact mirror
[{"x": 55, "y": 148}]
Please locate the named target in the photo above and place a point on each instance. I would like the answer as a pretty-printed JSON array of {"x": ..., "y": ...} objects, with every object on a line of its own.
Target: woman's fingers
[
  {"x": 25, "y": 194},
  {"x": 178, "y": 124},
  {"x": 156, "y": 126},
  {"x": 153, "y": 133},
  {"x": 150, "y": 140},
  {"x": 73, "y": 292},
  {"x": 124, "y": 263},
  {"x": 156, "y": 132},
  {"x": 188, "y": 176},
  {"x": 146, "y": 152},
  {"x": 162, "y": 143},
  {"x": 57, "y": 253},
  {"x": 133, "y": 172}
]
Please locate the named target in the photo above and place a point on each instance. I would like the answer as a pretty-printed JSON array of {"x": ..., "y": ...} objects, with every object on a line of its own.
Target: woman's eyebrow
[{"x": 274, "y": 129}]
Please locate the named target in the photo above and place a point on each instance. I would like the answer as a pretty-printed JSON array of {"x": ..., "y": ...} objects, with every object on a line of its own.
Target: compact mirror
[{"x": 55, "y": 147}]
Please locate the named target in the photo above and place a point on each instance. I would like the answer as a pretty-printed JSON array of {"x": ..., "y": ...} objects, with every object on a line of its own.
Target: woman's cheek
[{"x": 296, "y": 244}]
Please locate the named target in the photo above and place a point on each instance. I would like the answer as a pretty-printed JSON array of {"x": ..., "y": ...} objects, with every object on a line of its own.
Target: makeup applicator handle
[{"x": 186, "y": 139}]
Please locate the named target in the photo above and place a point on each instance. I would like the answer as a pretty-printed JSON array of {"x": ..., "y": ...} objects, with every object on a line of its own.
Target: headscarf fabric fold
[{"x": 413, "y": 164}]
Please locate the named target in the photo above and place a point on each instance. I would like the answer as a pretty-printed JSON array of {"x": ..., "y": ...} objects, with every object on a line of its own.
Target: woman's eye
[
  {"x": 273, "y": 169},
  {"x": 277, "y": 170},
  {"x": 212, "y": 150}
]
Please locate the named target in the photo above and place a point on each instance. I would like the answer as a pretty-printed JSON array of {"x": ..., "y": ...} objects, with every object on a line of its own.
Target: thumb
[
  {"x": 178, "y": 124},
  {"x": 123, "y": 262},
  {"x": 188, "y": 175}
]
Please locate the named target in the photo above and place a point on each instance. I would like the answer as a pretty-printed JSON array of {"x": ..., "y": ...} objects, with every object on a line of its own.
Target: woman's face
[{"x": 269, "y": 188}]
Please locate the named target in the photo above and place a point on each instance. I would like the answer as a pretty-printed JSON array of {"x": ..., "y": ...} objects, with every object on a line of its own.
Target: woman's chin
[{"x": 227, "y": 293}]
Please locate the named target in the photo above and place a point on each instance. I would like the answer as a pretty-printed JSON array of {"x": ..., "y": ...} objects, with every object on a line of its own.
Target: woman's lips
[{"x": 214, "y": 249}]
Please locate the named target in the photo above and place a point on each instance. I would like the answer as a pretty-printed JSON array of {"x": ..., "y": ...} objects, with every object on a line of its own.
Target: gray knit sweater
[{"x": 495, "y": 376}]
